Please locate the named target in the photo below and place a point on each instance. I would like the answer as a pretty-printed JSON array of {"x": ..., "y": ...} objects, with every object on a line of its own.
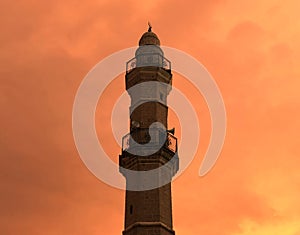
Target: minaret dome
[{"x": 149, "y": 38}]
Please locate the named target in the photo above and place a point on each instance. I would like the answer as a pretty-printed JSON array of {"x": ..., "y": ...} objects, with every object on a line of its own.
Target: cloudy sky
[{"x": 250, "y": 47}]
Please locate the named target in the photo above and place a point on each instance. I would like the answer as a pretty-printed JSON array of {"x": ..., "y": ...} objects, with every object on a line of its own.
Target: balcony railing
[
  {"x": 159, "y": 139},
  {"x": 148, "y": 59}
]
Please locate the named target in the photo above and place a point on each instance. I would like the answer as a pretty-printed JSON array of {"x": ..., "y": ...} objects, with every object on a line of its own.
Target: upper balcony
[{"x": 148, "y": 59}]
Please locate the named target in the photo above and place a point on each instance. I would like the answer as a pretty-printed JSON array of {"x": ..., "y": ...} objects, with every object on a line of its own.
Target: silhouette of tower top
[{"x": 149, "y": 38}]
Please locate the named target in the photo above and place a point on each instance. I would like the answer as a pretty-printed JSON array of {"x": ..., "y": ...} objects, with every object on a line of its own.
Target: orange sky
[{"x": 250, "y": 47}]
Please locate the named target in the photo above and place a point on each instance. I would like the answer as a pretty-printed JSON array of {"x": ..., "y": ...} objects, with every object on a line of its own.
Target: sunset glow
[{"x": 252, "y": 50}]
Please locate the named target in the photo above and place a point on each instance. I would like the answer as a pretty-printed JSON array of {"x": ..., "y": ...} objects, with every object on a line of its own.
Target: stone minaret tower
[{"x": 149, "y": 212}]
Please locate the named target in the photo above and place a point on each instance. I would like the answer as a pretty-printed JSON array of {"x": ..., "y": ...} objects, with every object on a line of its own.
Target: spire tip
[{"x": 150, "y": 27}]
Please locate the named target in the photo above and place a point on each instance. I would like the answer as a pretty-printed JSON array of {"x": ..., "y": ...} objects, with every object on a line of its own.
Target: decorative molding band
[{"x": 149, "y": 224}]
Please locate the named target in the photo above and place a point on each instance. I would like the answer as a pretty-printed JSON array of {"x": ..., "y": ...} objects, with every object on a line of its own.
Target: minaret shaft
[{"x": 149, "y": 212}]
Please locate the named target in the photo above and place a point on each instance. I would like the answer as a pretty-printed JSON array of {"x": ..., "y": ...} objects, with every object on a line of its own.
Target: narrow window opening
[
  {"x": 162, "y": 96},
  {"x": 131, "y": 209}
]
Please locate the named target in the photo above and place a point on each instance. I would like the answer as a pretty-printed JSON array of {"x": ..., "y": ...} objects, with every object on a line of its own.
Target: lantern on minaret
[{"x": 148, "y": 82}]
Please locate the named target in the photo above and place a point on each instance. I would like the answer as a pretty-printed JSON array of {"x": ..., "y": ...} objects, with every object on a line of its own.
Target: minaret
[{"x": 149, "y": 212}]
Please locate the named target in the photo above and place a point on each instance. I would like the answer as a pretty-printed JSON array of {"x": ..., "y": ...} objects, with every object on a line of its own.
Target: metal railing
[
  {"x": 148, "y": 59},
  {"x": 159, "y": 139}
]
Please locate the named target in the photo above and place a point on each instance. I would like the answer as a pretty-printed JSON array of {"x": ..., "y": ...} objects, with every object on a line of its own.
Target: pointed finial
[{"x": 150, "y": 27}]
